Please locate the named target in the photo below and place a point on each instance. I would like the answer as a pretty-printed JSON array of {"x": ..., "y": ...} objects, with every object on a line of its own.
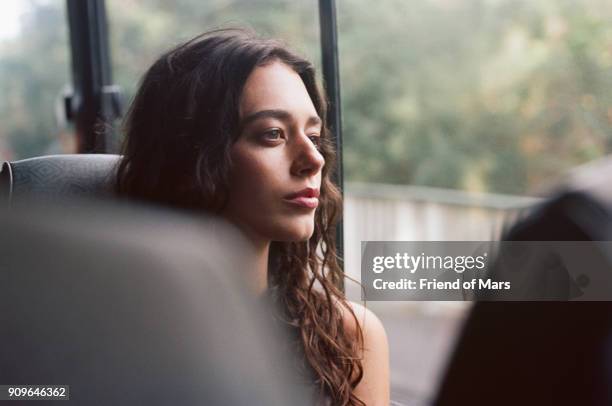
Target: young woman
[{"x": 234, "y": 125}]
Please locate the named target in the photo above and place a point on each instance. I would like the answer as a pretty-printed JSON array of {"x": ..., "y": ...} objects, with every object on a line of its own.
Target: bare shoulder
[
  {"x": 374, "y": 386},
  {"x": 370, "y": 324}
]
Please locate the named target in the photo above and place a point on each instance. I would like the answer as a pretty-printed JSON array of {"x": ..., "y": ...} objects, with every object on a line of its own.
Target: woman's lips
[
  {"x": 303, "y": 201},
  {"x": 307, "y": 197}
]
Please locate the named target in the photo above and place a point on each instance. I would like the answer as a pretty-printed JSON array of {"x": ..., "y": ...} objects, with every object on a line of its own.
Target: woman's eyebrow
[
  {"x": 314, "y": 120},
  {"x": 278, "y": 114}
]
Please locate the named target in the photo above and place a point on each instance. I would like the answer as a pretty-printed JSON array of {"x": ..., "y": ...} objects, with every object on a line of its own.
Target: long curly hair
[{"x": 179, "y": 132}]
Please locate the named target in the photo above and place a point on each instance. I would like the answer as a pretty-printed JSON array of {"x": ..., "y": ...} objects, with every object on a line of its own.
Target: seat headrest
[
  {"x": 131, "y": 305},
  {"x": 59, "y": 176}
]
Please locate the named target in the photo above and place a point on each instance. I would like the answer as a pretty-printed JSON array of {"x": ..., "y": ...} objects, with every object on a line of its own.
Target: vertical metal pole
[
  {"x": 331, "y": 77},
  {"x": 94, "y": 102}
]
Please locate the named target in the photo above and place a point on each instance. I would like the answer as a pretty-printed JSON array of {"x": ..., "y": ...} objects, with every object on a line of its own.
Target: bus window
[
  {"x": 457, "y": 114},
  {"x": 34, "y": 72},
  {"x": 141, "y": 30}
]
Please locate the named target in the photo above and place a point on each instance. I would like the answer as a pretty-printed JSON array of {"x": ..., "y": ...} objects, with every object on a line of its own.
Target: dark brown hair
[{"x": 179, "y": 131}]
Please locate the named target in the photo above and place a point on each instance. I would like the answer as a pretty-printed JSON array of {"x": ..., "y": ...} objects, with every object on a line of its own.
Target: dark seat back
[
  {"x": 58, "y": 176},
  {"x": 513, "y": 353}
]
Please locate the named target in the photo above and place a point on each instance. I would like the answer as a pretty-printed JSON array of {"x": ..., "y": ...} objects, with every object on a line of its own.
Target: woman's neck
[{"x": 258, "y": 272}]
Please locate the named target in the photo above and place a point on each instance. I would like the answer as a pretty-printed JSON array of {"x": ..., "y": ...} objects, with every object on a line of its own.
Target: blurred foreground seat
[
  {"x": 542, "y": 353},
  {"x": 132, "y": 306}
]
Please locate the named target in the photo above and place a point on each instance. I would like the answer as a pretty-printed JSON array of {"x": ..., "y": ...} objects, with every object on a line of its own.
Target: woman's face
[{"x": 276, "y": 173}]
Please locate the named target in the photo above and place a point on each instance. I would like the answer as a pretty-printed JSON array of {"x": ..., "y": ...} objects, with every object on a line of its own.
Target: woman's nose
[{"x": 308, "y": 159}]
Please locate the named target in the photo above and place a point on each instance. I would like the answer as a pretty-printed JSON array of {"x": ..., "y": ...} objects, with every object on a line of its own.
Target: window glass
[
  {"x": 485, "y": 96},
  {"x": 34, "y": 72},
  {"x": 141, "y": 30},
  {"x": 456, "y": 114}
]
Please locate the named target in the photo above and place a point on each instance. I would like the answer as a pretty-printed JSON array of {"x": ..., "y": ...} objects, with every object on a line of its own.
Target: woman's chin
[{"x": 295, "y": 233}]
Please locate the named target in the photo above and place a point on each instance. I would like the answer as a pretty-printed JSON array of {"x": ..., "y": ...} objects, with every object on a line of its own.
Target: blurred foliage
[
  {"x": 481, "y": 95},
  {"x": 34, "y": 67}
]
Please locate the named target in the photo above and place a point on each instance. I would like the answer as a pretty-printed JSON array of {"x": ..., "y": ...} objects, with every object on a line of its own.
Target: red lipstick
[{"x": 307, "y": 197}]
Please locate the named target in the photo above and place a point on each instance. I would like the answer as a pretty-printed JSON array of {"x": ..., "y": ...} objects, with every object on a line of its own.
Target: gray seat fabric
[
  {"x": 56, "y": 176},
  {"x": 133, "y": 306},
  {"x": 123, "y": 303}
]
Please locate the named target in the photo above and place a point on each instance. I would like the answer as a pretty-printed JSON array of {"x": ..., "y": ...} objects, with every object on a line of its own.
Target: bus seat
[
  {"x": 134, "y": 306},
  {"x": 550, "y": 352},
  {"x": 56, "y": 176}
]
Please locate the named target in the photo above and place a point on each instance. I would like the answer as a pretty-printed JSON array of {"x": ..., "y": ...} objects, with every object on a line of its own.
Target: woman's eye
[
  {"x": 316, "y": 140},
  {"x": 273, "y": 134}
]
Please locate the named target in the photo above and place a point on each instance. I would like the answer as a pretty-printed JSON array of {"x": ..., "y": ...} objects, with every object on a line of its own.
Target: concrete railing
[{"x": 380, "y": 212}]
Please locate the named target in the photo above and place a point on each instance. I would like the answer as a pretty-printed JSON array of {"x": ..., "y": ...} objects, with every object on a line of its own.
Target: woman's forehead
[{"x": 276, "y": 86}]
